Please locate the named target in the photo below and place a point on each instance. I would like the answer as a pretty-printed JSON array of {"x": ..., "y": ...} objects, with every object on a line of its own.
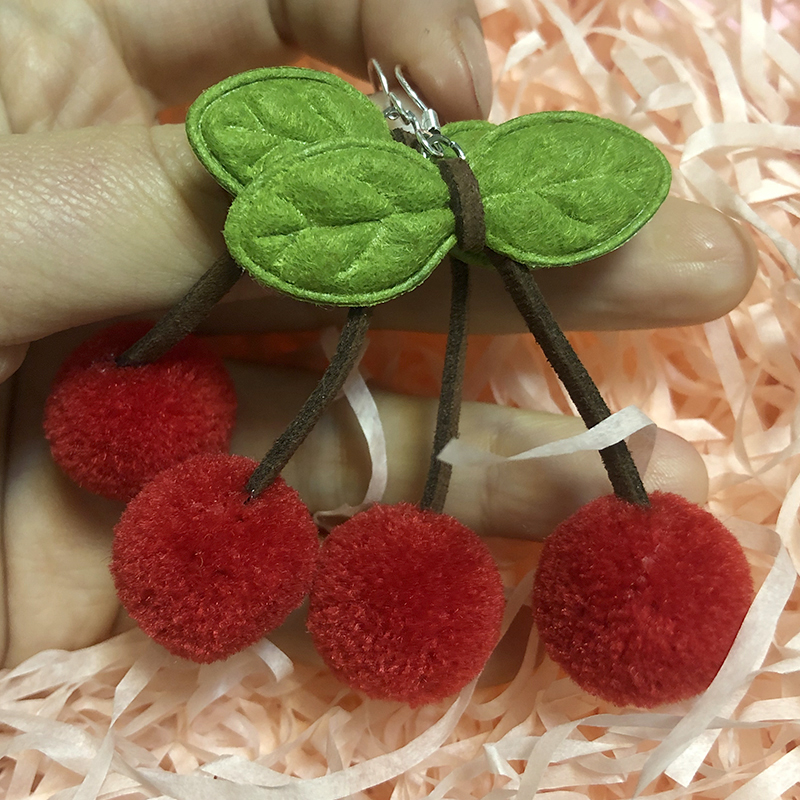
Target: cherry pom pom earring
[{"x": 637, "y": 597}]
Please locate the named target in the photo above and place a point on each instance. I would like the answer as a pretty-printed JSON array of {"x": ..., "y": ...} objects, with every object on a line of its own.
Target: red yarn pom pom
[
  {"x": 406, "y": 604},
  {"x": 204, "y": 573},
  {"x": 640, "y": 606},
  {"x": 112, "y": 429}
]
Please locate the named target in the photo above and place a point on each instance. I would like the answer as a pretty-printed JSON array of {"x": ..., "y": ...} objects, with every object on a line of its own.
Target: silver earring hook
[
  {"x": 426, "y": 126},
  {"x": 430, "y": 119},
  {"x": 374, "y": 70},
  {"x": 411, "y": 91},
  {"x": 395, "y": 110}
]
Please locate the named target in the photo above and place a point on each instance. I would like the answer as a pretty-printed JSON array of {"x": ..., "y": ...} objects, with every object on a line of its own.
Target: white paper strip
[
  {"x": 97, "y": 773},
  {"x": 362, "y": 402},
  {"x": 73, "y": 748},
  {"x": 787, "y": 525},
  {"x": 746, "y": 655},
  {"x": 136, "y": 679},
  {"x": 334, "y": 786},
  {"x": 520, "y": 50},
  {"x": 776, "y": 779},
  {"x": 611, "y": 430},
  {"x": 278, "y": 662},
  {"x": 741, "y": 135}
]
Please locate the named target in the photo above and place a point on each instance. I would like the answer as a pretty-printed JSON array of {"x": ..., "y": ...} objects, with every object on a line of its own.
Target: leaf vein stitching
[
  {"x": 550, "y": 203},
  {"x": 265, "y": 128},
  {"x": 343, "y": 224}
]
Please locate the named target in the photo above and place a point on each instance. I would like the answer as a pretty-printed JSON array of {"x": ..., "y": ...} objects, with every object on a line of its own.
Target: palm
[
  {"x": 111, "y": 217},
  {"x": 58, "y": 591}
]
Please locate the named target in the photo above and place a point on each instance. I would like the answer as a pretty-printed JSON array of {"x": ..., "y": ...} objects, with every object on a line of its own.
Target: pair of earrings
[{"x": 638, "y": 597}]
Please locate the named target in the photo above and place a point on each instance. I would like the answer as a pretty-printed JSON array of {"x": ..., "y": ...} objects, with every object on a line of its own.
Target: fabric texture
[
  {"x": 406, "y": 604},
  {"x": 205, "y": 570},
  {"x": 717, "y": 86},
  {"x": 558, "y": 187},
  {"x": 350, "y": 223},
  {"x": 641, "y": 605},
  {"x": 467, "y": 133},
  {"x": 564, "y": 187},
  {"x": 186, "y": 315},
  {"x": 261, "y": 115},
  {"x": 112, "y": 429},
  {"x": 465, "y": 201}
]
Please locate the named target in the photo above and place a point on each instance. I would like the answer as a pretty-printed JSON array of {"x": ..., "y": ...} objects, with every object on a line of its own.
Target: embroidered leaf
[
  {"x": 563, "y": 187},
  {"x": 351, "y": 223},
  {"x": 237, "y": 125}
]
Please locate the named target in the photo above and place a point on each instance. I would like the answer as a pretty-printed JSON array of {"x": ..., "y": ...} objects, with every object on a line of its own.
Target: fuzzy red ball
[
  {"x": 204, "y": 573},
  {"x": 112, "y": 429},
  {"x": 406, "y": 604},
  {"x": 641, "y": 605}
]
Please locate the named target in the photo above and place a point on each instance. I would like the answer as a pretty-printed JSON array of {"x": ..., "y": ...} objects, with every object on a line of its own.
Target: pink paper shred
[{"x": 716, "y": 84}]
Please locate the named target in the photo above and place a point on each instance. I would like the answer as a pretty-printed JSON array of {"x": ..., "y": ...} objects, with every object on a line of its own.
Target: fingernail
[
  {"x": 641, "y": 446},
  {"x": 669, "y": 463},
  {"x": 473, "y": 49},
  {"x": 695, "y": 233},
  {"x": 703, "y": 262}
]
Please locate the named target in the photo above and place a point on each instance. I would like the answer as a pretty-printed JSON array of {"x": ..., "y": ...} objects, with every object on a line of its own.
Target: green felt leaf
[
  {"x": 564, "y": 187},
  {"x": 245, "y": 121},
  {"x": 350, "y": 223},
  {"x": 467, "y": 133}
]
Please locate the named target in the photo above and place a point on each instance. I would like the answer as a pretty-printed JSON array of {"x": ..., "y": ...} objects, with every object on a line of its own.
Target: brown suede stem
[
  {"x": 186, "y": 315},
  {"x": 466, "y": 205},
  {"x": 525, "y": 292},
  {"x": 344, "y": 359},
  {"x": 449, "y": 411},
  {"x": 465, "y": 202}
]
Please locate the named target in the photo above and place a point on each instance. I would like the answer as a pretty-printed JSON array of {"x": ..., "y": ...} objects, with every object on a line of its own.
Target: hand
[{"x": 106, "y": 214}]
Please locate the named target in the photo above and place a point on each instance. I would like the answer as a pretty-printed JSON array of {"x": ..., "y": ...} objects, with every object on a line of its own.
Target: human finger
[
  {"x": 176, "y": 49},
  {"x": 689, "y": 264},
  {"x": 110, "y": 221},
  {"x": 440, "y": 45},
  {"x": 56, "y": 538},
  {"x": 11, "y": 357},
  {"x": 523, "y": 500}
]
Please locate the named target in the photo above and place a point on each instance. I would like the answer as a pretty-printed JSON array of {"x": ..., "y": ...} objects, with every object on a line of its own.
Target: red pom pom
[
  {"x": 204, "y": 573},
  {"x": 406, "y": 604},
  {"x": 112, "y": 429},
  {"x": 640, "y": 606}
]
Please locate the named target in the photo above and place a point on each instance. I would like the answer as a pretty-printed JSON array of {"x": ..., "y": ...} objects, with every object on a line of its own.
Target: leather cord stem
[
  {"x": 405, "y": 137},
  {"x": 467, "y": 208},
  {"x": 527, "y": 296},
  {"x": 351, "y": 340},
  {"x": 449, "y": 411},
  {"x": 465, "y": 203},
  {"x": 186, "y": 315}
]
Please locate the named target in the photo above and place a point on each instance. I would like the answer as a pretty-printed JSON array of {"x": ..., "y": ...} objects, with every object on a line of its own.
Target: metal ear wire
[
  {"x": 374, "y": 71},
  {"x": 430, "y": 119},
  {"x": 425, "y": 125},
  {"x": 395, "y": 109}
]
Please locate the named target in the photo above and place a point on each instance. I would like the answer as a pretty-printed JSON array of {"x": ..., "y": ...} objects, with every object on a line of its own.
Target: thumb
[
  {"x": 440, "y": 45},
  {"x": 176, "y": 49}
]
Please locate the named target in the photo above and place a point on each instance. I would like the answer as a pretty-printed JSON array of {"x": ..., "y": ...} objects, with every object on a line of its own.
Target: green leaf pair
[{"x": 331, "y": 210}]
